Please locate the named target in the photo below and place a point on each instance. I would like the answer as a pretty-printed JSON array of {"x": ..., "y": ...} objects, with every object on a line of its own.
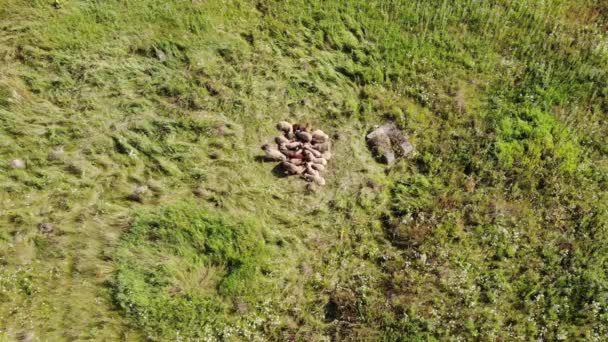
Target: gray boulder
[{"x": 388, "y": 143}]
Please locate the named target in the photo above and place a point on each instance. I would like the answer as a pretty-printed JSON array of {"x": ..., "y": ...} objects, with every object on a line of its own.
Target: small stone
[
  {"x": 46, "y": 228},
  {"x": 56, "y": 154},
  {"x": 215, "y": 155},
  {"x": 138, "y": 192},
  {"x": 160, "y": 55},
  {"x": 18, "y": 164},
  {"x": 241, "y": 307},
  {"x": 25, "y": 336}
]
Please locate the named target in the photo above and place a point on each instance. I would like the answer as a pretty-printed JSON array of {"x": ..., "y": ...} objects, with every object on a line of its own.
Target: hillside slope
[{"x": 133, "y": 207}]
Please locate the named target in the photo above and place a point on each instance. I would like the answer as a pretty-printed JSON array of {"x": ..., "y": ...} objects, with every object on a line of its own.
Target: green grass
[
  {"x": 494, "y": 229},
  {"x": 181, "y": 270}
]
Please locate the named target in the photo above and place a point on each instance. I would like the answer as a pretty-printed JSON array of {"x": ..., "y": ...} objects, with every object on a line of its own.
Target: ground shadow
[{"x": 278, "y": 171}]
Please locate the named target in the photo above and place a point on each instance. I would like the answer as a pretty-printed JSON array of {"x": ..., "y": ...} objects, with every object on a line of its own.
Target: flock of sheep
[{"x": 301, "y": 151}]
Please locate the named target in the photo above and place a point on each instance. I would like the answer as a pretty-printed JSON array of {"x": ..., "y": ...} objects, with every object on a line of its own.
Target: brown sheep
[
  {"x": 304, "y": 136},
  {"x": 319, "y": 136},
  {"x": 293, "y": 145},
  {"x": 321, "y": 161},
  {"x": 316, "y": 179},
  {"x": 292, "y": 169},
  {"x": 314, "y": 152},
  {"x": 274, "y": 154},
  {"x": 280, "y": 140},
  {"x": 322, "y": 147},
  {"x": 284, "y": 126},
  {"x": 318, "y": 167}
]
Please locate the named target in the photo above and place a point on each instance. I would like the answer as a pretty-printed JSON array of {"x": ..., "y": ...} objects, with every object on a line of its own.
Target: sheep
[
  {"x": 314, "y": 152},
  {"x": 314, "y": 178},
  {"x": 296, "y": 161},
  {"x": 319, "y": 136},
  {"x": 318, "y": 167},
  {"x": 272, "y": 154},
  {"x": 322, "y": 147},
  {"x": 284, "y": 126},
  {"x": 300, "y": 152},
  {"x": 293, "y": 145},
  {"x": 321, "y": 161},
  {"x": 310, "y": 170},
  {"x": 292, "y": 169},
  {"x": 280, "y": 140},
  {"x": 308, "y": 156},
  {"x": 304, "y": 136}
]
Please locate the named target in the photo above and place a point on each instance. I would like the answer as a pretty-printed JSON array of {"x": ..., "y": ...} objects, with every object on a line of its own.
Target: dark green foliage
[{"x": 160, "y": 254}]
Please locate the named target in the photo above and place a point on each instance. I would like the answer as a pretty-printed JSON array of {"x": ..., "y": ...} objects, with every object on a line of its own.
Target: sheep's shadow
[{"x": 278, "y": 171}]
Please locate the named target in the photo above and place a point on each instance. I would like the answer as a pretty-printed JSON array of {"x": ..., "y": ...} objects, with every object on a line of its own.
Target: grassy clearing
[{"x": 494, "y": 229}]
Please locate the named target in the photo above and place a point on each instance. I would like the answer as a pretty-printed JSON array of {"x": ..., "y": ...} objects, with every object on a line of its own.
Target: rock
[
  {"x": 215, "y": 155},
  {"x": 138, "y": 193},
  {"x": 56, "y": 154},
  {"x": 25, "y": 336},
  {"x": 292, "y": 169},
  {"x": 18, "y": 164},
  {"x": 389, "y": 143},
  {"x": 304, "y": 136},
  {"x": 160, "y": 55},
  {"x": 46, "y": 228},
  {"x": 240, "y": 306},
  {"x": 284, "y": 127}
]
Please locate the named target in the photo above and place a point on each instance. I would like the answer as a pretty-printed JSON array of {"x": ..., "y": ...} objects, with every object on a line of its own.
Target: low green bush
[{"x": 180, "y": 270}]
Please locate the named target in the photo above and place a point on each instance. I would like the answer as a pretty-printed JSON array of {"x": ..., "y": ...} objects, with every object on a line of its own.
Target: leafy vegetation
[
  {"x": 170, "y": 262},
  {"x": 139, "y": 123}
]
